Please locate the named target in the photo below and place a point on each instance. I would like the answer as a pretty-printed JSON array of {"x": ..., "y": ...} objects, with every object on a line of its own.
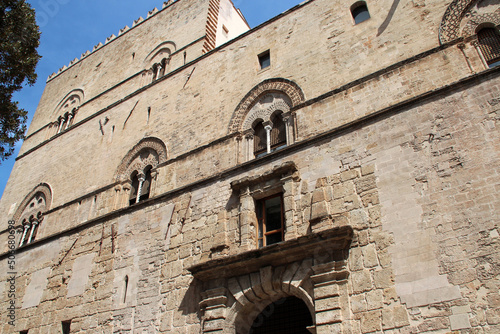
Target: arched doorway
[{"x": 288, "y": 315}]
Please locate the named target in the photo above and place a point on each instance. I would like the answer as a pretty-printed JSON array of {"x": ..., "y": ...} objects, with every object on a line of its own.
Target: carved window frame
[
  {"x": 134, "y": 162},
  {"x": 29, "y": 215},
  {"x": 277, "y": 182}
]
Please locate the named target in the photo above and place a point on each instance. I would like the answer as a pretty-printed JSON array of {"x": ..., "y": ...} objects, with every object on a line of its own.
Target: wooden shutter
[
  {"x": 489, "y": 42},
  {"x": 259, "y": 140},
  {"x": 278, "y": 133}
]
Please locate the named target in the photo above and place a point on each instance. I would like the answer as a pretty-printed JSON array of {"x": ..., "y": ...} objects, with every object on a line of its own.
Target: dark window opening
[
  {"x": 133, "y": 190},
  {"x": 259, "y": 140},
  {"x": 23, "y": 332},
  {"x": 288, "y": 315},
  {"x": 265, "y": 60},
  {"x": 360, "y": 12},
  {"x": 144, "y": 186},
  {"x": 163, "y": 66},
  {"x": 155, "y": 72},
  {"x": 66, "y": 326},
  {"x": 278, "y": 133},
  {"x": 270, "y": 219},
  {"x": 489, "y": 43}
]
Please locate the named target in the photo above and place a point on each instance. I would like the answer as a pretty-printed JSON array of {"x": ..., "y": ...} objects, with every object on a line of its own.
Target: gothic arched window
[
  {"x": 30, "y": 214},
  {"x": 138, "y": 171}
]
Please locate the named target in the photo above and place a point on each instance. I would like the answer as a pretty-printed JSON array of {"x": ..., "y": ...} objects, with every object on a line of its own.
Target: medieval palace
[{"x": 334, "y": 170}]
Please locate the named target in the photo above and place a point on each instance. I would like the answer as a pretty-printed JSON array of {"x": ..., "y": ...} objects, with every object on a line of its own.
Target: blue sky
[{"x": 71, "y": 27}]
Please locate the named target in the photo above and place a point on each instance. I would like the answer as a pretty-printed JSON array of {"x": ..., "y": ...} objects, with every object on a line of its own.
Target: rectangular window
[
  {"x": 23, "y": 332},
  {"x": 265, "y": 59},
  {"x": 66, "y": 326},
  {"x": 270, "y": 220}
]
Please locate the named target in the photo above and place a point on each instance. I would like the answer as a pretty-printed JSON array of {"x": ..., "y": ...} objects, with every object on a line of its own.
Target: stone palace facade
[{"x": 334, "y": 170}]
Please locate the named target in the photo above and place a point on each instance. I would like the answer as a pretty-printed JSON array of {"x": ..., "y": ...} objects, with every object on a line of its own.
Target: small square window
[
  {"x": 265, "y": 59},
  {"x": 360, "y": 12},
  {"x": 270, "y": 220}
]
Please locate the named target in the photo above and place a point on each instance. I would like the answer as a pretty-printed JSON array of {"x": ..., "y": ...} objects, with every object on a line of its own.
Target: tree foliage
[{"x": 19, "y": 39}]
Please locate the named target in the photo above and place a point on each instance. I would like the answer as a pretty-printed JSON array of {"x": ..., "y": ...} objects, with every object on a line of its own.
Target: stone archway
[
  {"x": 238, "y": 288},
  {"x": 287, "y": 87}
]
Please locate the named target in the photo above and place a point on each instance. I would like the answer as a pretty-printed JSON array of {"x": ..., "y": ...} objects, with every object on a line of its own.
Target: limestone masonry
[{"x": 333, "y": 170}]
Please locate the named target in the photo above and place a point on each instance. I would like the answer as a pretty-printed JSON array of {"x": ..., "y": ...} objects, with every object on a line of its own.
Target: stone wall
[
  {"x": 389, "y": 187},
  {"x": 418, "y": 259}
]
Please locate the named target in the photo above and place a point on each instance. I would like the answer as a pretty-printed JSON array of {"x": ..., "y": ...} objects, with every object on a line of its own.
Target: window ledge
[{"x": 334, "y": 242}]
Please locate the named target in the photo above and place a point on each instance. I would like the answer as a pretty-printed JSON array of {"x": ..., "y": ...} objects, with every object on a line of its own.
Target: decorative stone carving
[
  {"x": 449, "y": 28},
  {"x": 292, "y": 91},
  {"x": 149, "y": 152},
  {"x": 40, "y": 192},
  {"x": 476, "y": 22},
  {"x": 260, "y": 277}
]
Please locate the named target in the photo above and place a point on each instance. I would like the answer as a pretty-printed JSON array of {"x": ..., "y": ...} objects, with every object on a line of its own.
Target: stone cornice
[{"x": 330, "y": 244}]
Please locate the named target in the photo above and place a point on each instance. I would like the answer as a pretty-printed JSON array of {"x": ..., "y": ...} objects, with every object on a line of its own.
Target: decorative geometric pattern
[
  {"x": 290, "y": 88},
  {"x": 211, "y": 28},
  {"x": 449, "y": 28},
  {"x": 71, "y": 101},
  {"x": 156, "y": 153},
  {"x": 43, "y": 191},
  {"x": 265, "y": 114},
  {"x": 476, "y": 21}
]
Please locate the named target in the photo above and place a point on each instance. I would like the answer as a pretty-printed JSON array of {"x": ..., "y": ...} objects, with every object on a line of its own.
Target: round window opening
[{"x": 286, "y": 316}]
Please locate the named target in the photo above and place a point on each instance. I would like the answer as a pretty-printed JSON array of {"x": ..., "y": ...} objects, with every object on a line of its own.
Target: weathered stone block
[{"x": 371, "y": 321}]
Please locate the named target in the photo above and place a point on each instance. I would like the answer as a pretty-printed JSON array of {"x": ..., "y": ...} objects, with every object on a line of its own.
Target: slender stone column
[
  {"x": 141, "y": 178},
  {"x": 125, "y": 195},
  {"x": 68, "y": 122},
  {"x": 33, "y": 228},
  {"x": 249, "y": 146},
  {"x": 116, "y": 206},
  {"x": 288, "y": 120},
  {"x": 152, "y": 186},
  {"x": 25, "y": 230},
  {"x": 268, "y": 129},
  {"x": 478, "y": 49},
  {"x": 61, "y": 123}
]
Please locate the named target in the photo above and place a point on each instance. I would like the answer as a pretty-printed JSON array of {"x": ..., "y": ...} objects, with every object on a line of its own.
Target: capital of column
[{"x": 141, "y": 177}]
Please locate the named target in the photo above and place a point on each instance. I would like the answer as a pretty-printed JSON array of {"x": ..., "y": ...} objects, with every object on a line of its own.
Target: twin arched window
[
  {"x": 269, "y": 136},
  {"x": 138, "y": 170},
  {"x": 159, "y": 69},
  {"x": 30, "y": 213},
  {"x": 268, "y": 125}
]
